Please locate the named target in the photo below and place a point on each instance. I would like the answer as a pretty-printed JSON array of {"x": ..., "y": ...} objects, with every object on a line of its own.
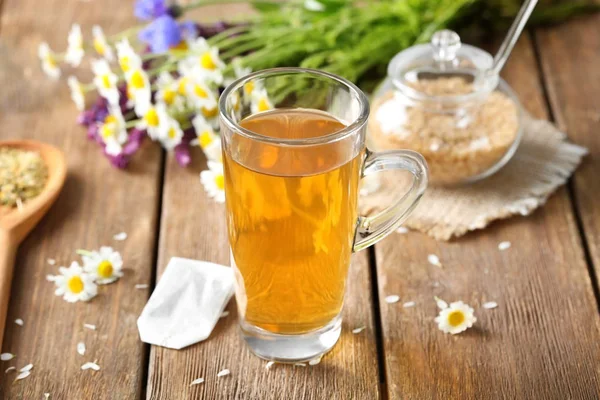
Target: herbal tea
[{"x": 291, "y": 220}]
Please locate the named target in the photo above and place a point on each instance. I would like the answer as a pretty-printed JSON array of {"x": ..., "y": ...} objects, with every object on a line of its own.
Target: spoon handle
[
  {"x": 8, "y": 252},
  {"x": 512, "y": 36}
]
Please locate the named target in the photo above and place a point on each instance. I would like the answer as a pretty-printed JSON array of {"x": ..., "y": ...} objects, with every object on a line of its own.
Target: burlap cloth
[{"x": 543, "y": 162}]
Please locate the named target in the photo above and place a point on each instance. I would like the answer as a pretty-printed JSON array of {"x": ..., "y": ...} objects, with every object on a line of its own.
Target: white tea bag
[{"x": 186, "y": 303}]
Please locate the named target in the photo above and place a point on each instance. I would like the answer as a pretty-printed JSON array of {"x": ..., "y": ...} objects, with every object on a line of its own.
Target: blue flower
[
  {"x": 150, "y": 9},
  {"x": 161, "y": 34}
]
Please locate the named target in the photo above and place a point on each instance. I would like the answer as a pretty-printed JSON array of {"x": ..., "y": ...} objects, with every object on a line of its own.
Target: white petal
[
  {"x": 46, "y": 396},
  {"x": 19, "y": 321},
  {"x": 197, "y": 381},
  {"x": 23, "y": 375},
  {"x": 314, "y": 361},
  {"x": 51, "y": 261},
  {"x": 269, "y": 364},
  {"x": 440, "y": 303},
  {"x": 6, "y": 356},
  {"x": 299, "y": 365},
  {"x": 358, "y": 330},
  {"x": 504, "y": 246},
  {"x": 434, "y": 260},
  {"x": 28, "y": 367},
  {"x": 90, "y": 326},
  {"x": 408, "y": 304},
  {"x": 7, "y": 370},
  {"x": 50, "y": 278},
  {"x": 120, "y": 236},
  {"x": 224, "y": 314},
  {"x": 142, "y": 286},
  {"x": 490, "y": 304},
  {"x": 223, "y": 373},
  {"x": 393, "y": 298},
  {"x": 81, "y": 348},
  {"x": 90, "y": 365},
  {"x": 402, "y": 230}
]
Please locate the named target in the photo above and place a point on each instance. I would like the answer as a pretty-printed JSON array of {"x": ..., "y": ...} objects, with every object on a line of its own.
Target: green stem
[
  {"x": 132, "y": 123},
  {"x": 83, "y": 252},
  {"x": 125, "y": 34},
  {"x": 226, "y": 34}
]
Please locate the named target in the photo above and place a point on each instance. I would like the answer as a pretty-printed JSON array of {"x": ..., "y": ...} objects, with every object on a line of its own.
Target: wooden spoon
[{"x": 15, "y": 224}]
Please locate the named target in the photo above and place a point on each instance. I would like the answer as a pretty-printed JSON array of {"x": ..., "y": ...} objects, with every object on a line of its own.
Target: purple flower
[
  {"x": 119, "y": 161},
  {"x": 161, "y": 34},
  {"x": 189, "y": 30},
  {"x": 182, "y": 154},
  {"x": 147, "y": 10},
  {"x": 134, "y": 141}
]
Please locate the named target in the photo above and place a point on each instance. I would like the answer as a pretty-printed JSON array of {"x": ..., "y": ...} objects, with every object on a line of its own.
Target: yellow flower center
[
  {"x": 124, "y": 63},
  {"x": 172, "y": 133},
  {"x": 210, "y": 112},
  {"x": 249, "y": 87},
  {"x": 75, "y": 284},
  {"x": 200, "y": 92},
  {"x": 99, "y": 46},
  {"x": 106, "y": 81},
  {"x": 263, "y": 105},
  {"x": 205, "y": 139},
  {"x": 180, "y": 46},
  {"x": 207, "y": 62},
  {"x": 182, "y": 84},
  {"x": 455, "y": 318},
  {"x": 151, "y": 117},
  {"x": 110, "y": 119},
  {"x": 220, "y": 181},
  {"x": 108, "y": 128},
  {"x": 137, "y": 80},
  {"x": 51, "y": 61},
  {"x": 169, "y": 96},
  {"x": 105, "y": 269}
]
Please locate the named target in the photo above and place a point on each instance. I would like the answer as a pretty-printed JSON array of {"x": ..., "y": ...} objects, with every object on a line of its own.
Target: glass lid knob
[{"x": 445, "y": 45}]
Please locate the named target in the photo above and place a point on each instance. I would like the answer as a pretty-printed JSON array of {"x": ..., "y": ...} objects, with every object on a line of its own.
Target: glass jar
[{"x": 441, "y": 100}]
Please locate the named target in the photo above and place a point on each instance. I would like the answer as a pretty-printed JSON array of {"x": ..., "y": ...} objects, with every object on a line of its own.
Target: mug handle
[{"x": 371, "y": 230}]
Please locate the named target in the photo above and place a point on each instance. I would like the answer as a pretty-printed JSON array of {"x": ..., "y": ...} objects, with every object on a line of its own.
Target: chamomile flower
[
  {"x": 74, "y": 284},
  {"x": 101, "y": 45},
  {"x": 49, "y": 62},
  {"x": 127, "y": 57},
  {"x": 152, "y": 120},
  {"x": 138, "y": 90},
  {"x": 104, "y": 265},
  {"x": 210, "y": 112},
  {"x": 170, "y": 133},
  {"x": 239, "y": 71},
  {"x": 77, "y": 93},
  {"x": 105, "y": 81},
  {"x": 206, "y": 139},
  {"x": 168, "y": 91},
  {"x": 456, "y": 318},
  {"x": 260, "y": 101},
  {"x": 204, "y": 61},
  {"x": 113, "y": 131},
  {"x": 214, "y": 181},
  {"x": 75, "y": 51},
  {"x": 199, "y": 93}
]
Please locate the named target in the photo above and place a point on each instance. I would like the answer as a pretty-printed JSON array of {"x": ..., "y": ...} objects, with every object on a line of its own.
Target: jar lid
[{"x": 415, "y": 70}]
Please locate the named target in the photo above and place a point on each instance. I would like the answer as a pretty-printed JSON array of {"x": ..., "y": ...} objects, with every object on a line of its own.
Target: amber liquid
[{"x": 291, "y": 221}]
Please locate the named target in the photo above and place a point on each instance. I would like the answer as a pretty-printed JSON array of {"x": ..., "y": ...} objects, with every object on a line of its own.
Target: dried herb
[{"x": 23, "y": 175}]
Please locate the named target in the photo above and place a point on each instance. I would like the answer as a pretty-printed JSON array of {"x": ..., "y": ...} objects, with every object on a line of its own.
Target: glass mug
[{"x": 294, "y": 153}]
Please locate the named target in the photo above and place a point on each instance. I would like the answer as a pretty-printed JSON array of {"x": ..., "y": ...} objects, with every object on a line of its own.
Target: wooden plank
[
  {"x": 543, "y": 340},
  {"x": 194, "y": 226},
  {"x": 97, "y": 202},
  {"x": 570, "y": 56}
]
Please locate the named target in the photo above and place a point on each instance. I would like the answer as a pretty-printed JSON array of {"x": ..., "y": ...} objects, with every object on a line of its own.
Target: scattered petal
[
  {"x": 6, "y": 356},
  {"x": 358, "y": 330},
  {"x": 26, "y": 368},
  {"x": 270, "y": 364},
  {"x": 51, "y": 278},
  {"x": 7, "y": 370},
  {"x": 46, "y": 396},
  {"x": 142, "y": 286},
  {"x": 394, "y": 298},
  {"x": 90, "y": 365},
  {"x": 120, "y": 236},
  {"x": 434, "y": 260},
  {"x": 197, "y": 381},
  {"x": 408, "y": 304},
  {"x": 51, "y": 261},
  {"x": 490, "y": 304},
  {"x": 90, "y": 326},
  {"x": 314, "y": 361},
  {"x": 456, "y": 318},
  {"x": 504, "y": 246},
  {"x": 299, "y": 365},
  {"x": 402, "y": 230},
  {"x": 224, "y": 314},
  {"x": 22, "y": 375},
  {"x": 19, "y": 321},
  {"x": 81, "y": 348},
  {"x": 223, "y": 373},
  {"x": 440, "y": 303}
]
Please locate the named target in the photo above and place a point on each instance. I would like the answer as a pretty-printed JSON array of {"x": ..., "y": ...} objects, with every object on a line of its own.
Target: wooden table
[{"x": 542, "y": 342}]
